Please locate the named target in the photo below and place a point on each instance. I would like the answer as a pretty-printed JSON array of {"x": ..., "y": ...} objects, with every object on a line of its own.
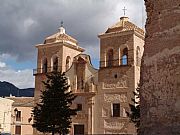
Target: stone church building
[{"x": 104, "y": 94}]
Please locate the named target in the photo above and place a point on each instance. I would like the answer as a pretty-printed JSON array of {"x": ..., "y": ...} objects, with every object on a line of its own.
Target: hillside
[{"x": 7, "y": 88}]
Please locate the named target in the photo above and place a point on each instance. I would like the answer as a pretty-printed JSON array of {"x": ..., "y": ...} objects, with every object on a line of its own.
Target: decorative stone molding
[
  {"x": 113, "y": 124},
  {"x": 115, "y": 97},
  {"x": 112, "y": 84},
  {"x": 114, "y": 132}
]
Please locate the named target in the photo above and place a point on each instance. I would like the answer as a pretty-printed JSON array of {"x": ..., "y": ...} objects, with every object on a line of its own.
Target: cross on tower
[
  {"x": 62, "y": 23},
  {"x": 124, "y": 9}
]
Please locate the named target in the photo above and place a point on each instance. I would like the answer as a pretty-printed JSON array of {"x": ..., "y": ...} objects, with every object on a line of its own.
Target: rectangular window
[
  {"x": 18, "y": 130},
  {"x": 18, "y": 116},
  {"x": 116, "y": 110},
  {"x": 78, "y": 129},
  {"x": 79, "y": 107}
]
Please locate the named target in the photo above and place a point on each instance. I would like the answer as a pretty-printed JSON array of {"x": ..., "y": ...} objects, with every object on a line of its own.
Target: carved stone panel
[
  {"x": 113, "y": 83},
  {"x": 115, "y": 98},
  {"x": 113, "y": 124}
]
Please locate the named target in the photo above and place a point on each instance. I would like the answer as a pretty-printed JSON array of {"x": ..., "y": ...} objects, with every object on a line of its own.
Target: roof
[
  {"x": 60, "y": 36},
  {"x": 6, "y": 100},
  {"x": 22, "y": 101},
  {"x": 124, "y": 25}
]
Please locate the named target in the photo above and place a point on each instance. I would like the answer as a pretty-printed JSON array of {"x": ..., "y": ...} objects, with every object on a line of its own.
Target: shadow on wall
[{"x": 5, "y": 134}]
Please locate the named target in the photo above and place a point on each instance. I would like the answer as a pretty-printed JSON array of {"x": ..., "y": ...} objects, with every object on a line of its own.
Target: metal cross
[
  {"x": 62, "y": 23},
  {"x": 124, "y": 9}
]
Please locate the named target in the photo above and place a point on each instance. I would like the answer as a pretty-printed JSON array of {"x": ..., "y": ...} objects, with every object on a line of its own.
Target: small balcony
[
  {"x": 18, "y": 120},
  {"x": 81, "y": 115},
  {"x": 46, "y": 70},
  {"x": 84, "y": 89},
  {"x": 116, "y": 62}
]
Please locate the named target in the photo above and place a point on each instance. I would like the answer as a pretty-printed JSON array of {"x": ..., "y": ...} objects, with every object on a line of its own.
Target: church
[{"x": 104, "y": 94}]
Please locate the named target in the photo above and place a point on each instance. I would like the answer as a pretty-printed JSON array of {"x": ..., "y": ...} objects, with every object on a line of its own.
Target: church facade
[{"x": 104, "y": 94}]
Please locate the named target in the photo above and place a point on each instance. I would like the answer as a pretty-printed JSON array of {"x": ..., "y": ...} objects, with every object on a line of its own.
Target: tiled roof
[
  {"x": 22, "y": 101},
  {"x": 60, "y": 37},
  {"x": 124, "y": 25}
]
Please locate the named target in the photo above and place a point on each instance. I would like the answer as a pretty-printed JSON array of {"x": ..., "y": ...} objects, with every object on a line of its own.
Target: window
[
  {"x": 110, "y": 58},
  {"x": 18, "y": 130},
  {"x": 124, "y": 58},
  {"x": 116, "y": 110},
  {"x": 18, "y": 115},
  {"x": 44, "y": 66},
  {"x": 78, "y": 129},
  {"x": 68, "y": 59},
  {"x": 79, "y": 107},
  {"x": 55, "y": 64}
]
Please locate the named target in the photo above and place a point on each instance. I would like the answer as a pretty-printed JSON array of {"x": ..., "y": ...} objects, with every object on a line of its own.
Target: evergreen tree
[
  {"x": 53, "y": 113},
  {"x": 134, "y": 114}
]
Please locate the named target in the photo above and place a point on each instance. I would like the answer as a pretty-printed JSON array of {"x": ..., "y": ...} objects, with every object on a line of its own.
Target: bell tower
[
  {"x": 55, "y": 54},
  {"x": 121, "y": 49}
]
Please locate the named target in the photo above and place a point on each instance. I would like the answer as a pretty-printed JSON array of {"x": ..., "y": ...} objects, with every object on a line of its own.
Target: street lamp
[{"x": 15, "y": 110}]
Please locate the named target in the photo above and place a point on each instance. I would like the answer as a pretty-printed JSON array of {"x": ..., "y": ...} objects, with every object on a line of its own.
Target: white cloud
[
  {"x": 28, "y": 23},
  {"x": 20, "y": 78},
  {"x": 4, "y": 56},
  {"x": 2, "y": 65}
]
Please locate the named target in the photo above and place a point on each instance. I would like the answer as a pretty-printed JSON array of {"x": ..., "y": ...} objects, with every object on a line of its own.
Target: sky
[{"x": 25, "y": 23}]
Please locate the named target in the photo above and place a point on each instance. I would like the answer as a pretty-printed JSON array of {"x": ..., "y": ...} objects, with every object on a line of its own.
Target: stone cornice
[
  {"x": 62, "y": 43},
  {"x": 122, "y": 33},
  {"x": 140, "y": 35}
]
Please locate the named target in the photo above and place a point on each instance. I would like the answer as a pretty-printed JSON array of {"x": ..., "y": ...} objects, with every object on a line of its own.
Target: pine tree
[
  {"x": 134, "y": 114},
  {"x": 53, "y": 113}
]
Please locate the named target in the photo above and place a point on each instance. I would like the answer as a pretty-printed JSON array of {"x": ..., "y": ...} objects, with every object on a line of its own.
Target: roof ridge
[
  {"x": 124, "y": 26},
  {"x": 59, "y": 36}
]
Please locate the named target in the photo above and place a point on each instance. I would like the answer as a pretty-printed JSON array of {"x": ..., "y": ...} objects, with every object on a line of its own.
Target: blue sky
[
  {"x": 25, "y": 23},
  {"x": 29, "y": 64}
]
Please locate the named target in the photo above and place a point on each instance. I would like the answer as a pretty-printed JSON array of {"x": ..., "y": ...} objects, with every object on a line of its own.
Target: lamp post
[{"x": 15, "y": 113}]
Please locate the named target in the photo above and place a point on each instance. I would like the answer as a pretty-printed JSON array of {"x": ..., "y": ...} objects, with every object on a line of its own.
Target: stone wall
[{"x": 160, "y": 74}]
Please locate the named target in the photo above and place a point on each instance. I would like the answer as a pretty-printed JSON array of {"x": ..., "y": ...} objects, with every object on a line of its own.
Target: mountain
[{"x": 7, "y": 88}]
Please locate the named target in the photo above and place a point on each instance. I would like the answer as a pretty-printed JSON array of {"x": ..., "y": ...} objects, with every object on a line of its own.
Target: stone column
[
  {"x": 90, "y": 116},
  {"x": 160, "y": 75}
]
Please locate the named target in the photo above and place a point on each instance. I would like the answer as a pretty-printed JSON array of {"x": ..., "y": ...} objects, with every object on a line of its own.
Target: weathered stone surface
[{"x": 160, "y": 75}]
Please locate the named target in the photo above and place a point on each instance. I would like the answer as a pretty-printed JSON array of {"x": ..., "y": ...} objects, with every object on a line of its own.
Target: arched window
[
  {"x": 55, "y": 63},
  {"x": 44, "y": 65},
  {"x": 124, "y": 58},
  {"x": 68, "y": 60},
  {"x": 110, "y": 58},
  {"x": 138, "y": 56}
]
